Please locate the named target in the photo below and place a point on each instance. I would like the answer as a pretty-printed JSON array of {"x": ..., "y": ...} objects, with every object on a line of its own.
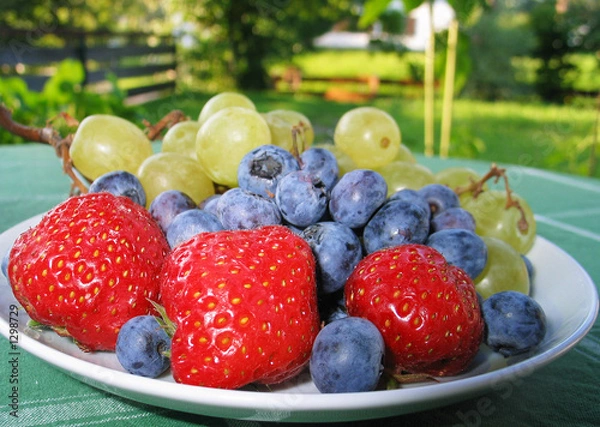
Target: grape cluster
[{"x": 360, "y": 194}]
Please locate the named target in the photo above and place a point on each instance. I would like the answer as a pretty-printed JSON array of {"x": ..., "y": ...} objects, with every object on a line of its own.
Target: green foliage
[
  {"x": 372, "y": 10},
  {"x": 551, "y": 30},
  {"x": 465, "y": 9},
  {"x": 393, "y": 21},
  {"x": 493, "y": 49},
  {"x": 558, "y": 36},
  {"x": 240, "y": 38},
  {"x": 60, "y": 89},
  {"x": 413, "y": 4},
  {"x": 41, "y": 17},
  {"x": 62, "y": 93}
]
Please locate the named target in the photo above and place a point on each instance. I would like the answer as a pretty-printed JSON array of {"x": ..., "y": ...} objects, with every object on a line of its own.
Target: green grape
[
  {"x": 493, "y": 219},
  {"x": 456, "y": 177},
  {"x": 345, "y": 163},
  {"x": 225, "y": 139},
  {"x": 405, "y": 155},
  {"x": 504, "y": 270},
  {"x": 181, "y": 138},
  {"x": 281, "y": 123},
  {"x": 105, "y": 143},
  {"x": 173, "y": 171},
  {"x": 400, "y": 175},
  {"x": 368, "y": 135},
  {"x": 224, "y": 100},
  {"x": 281, "y": 131}
]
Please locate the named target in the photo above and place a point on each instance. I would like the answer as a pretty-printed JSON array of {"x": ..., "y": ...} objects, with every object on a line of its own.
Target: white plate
[{"x": 562, "y": 287}]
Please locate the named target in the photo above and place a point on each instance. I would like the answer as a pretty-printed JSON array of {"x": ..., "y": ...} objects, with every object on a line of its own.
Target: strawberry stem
[
  {"x": 35, "y": 325},
  {"x": 164, "y": 320},
  {"x": 396, "y": 380}
]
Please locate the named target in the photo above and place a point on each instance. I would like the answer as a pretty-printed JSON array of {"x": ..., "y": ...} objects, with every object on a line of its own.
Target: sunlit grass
[
  {"x": 409, "y": 65},
  {"x": 350, "y": 63}
]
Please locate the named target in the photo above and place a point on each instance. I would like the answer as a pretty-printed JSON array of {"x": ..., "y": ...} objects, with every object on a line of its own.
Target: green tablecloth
[{"x": 564, "y": 393}]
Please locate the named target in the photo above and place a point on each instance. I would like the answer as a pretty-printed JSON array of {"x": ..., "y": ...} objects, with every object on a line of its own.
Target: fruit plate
[{"x": 561, "y": 286}]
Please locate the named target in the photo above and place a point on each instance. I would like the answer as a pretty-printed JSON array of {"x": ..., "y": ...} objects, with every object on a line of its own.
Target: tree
[
  {"x": 246, "y": 35},
  {"x": 562, "y": 28},
  {"x": 45, "y": 16},
  {"x": 494, "y": 43},
  {"x": 236, "y": 38},
  {"x": 551, "y": 30}
]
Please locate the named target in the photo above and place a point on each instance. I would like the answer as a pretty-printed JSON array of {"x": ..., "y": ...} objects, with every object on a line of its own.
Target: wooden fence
[
  {"x": 145, "y": 63},
  {"x": 343, "y": 89}
]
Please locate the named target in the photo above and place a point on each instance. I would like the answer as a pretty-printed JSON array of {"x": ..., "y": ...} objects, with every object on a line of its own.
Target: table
[{"x": 565, "y": 392}]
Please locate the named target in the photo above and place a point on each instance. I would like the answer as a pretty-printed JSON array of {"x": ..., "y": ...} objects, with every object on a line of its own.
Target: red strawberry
[
  {"x": 91, "y": 264},
  {"x": 244, "y": 305},
  {"x": 426, "y": 309}
]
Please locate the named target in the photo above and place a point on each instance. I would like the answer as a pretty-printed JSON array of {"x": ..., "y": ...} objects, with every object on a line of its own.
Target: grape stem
[
  {"x": 298, "y": 130},
  {"x": 476, "y": 188},
  {"x": 173, "y": 117},
  {"x": 49, "y": 135}
]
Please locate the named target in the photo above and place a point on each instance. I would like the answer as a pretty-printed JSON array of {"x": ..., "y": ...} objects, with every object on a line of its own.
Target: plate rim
[{"x": 241, "y": 404}]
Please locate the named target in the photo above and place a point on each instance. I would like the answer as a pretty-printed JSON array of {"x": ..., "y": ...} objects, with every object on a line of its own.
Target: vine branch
[
  {"x": 173, "y": 117},
  {"x": 477, "y": 187},
  {"x": 46, "y": 135},
  {"x": 49, "y": 135}
]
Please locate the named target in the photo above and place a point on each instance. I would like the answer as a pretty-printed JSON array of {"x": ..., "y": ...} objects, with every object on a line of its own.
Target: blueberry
[
  {"x": 439, "y": 197},
  {"x": 356, "y": 196},
  {"x": 347, "y": 356},
  {"x": 210, "y": 204},
  {"x": 167, "y": 205},
  {"x": 322, "y": 164},
  {"x": 453, "y": 218},
  {"x": 294, "y": 229},
  {"x": 239, "y": 209},
  {"x": 301, "y": 198},
  {"x": 333, "y": 306},
  {"x": 411, "y": 196},
  {"x": 514, "y": 323},
  {"x": 337, "y": 250},
  {"x": 397, "y": 222},
  {"x": 142, "y": 345},
  {"x": 261, "y": 169},
  {"x": 530, "y": 267},
  {"x": 462, "y": 248},
  {"x": 120, "y": 183},
  {"x": 338, "y": 312},
  {"x": 189, "y": 223}
]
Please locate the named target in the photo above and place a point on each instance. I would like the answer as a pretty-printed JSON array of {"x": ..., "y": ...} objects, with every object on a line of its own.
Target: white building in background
[
  {"x": 343, "y": 40},
  {"x": 415, "y": 37},
  {"x": 417, "y": 31}
]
